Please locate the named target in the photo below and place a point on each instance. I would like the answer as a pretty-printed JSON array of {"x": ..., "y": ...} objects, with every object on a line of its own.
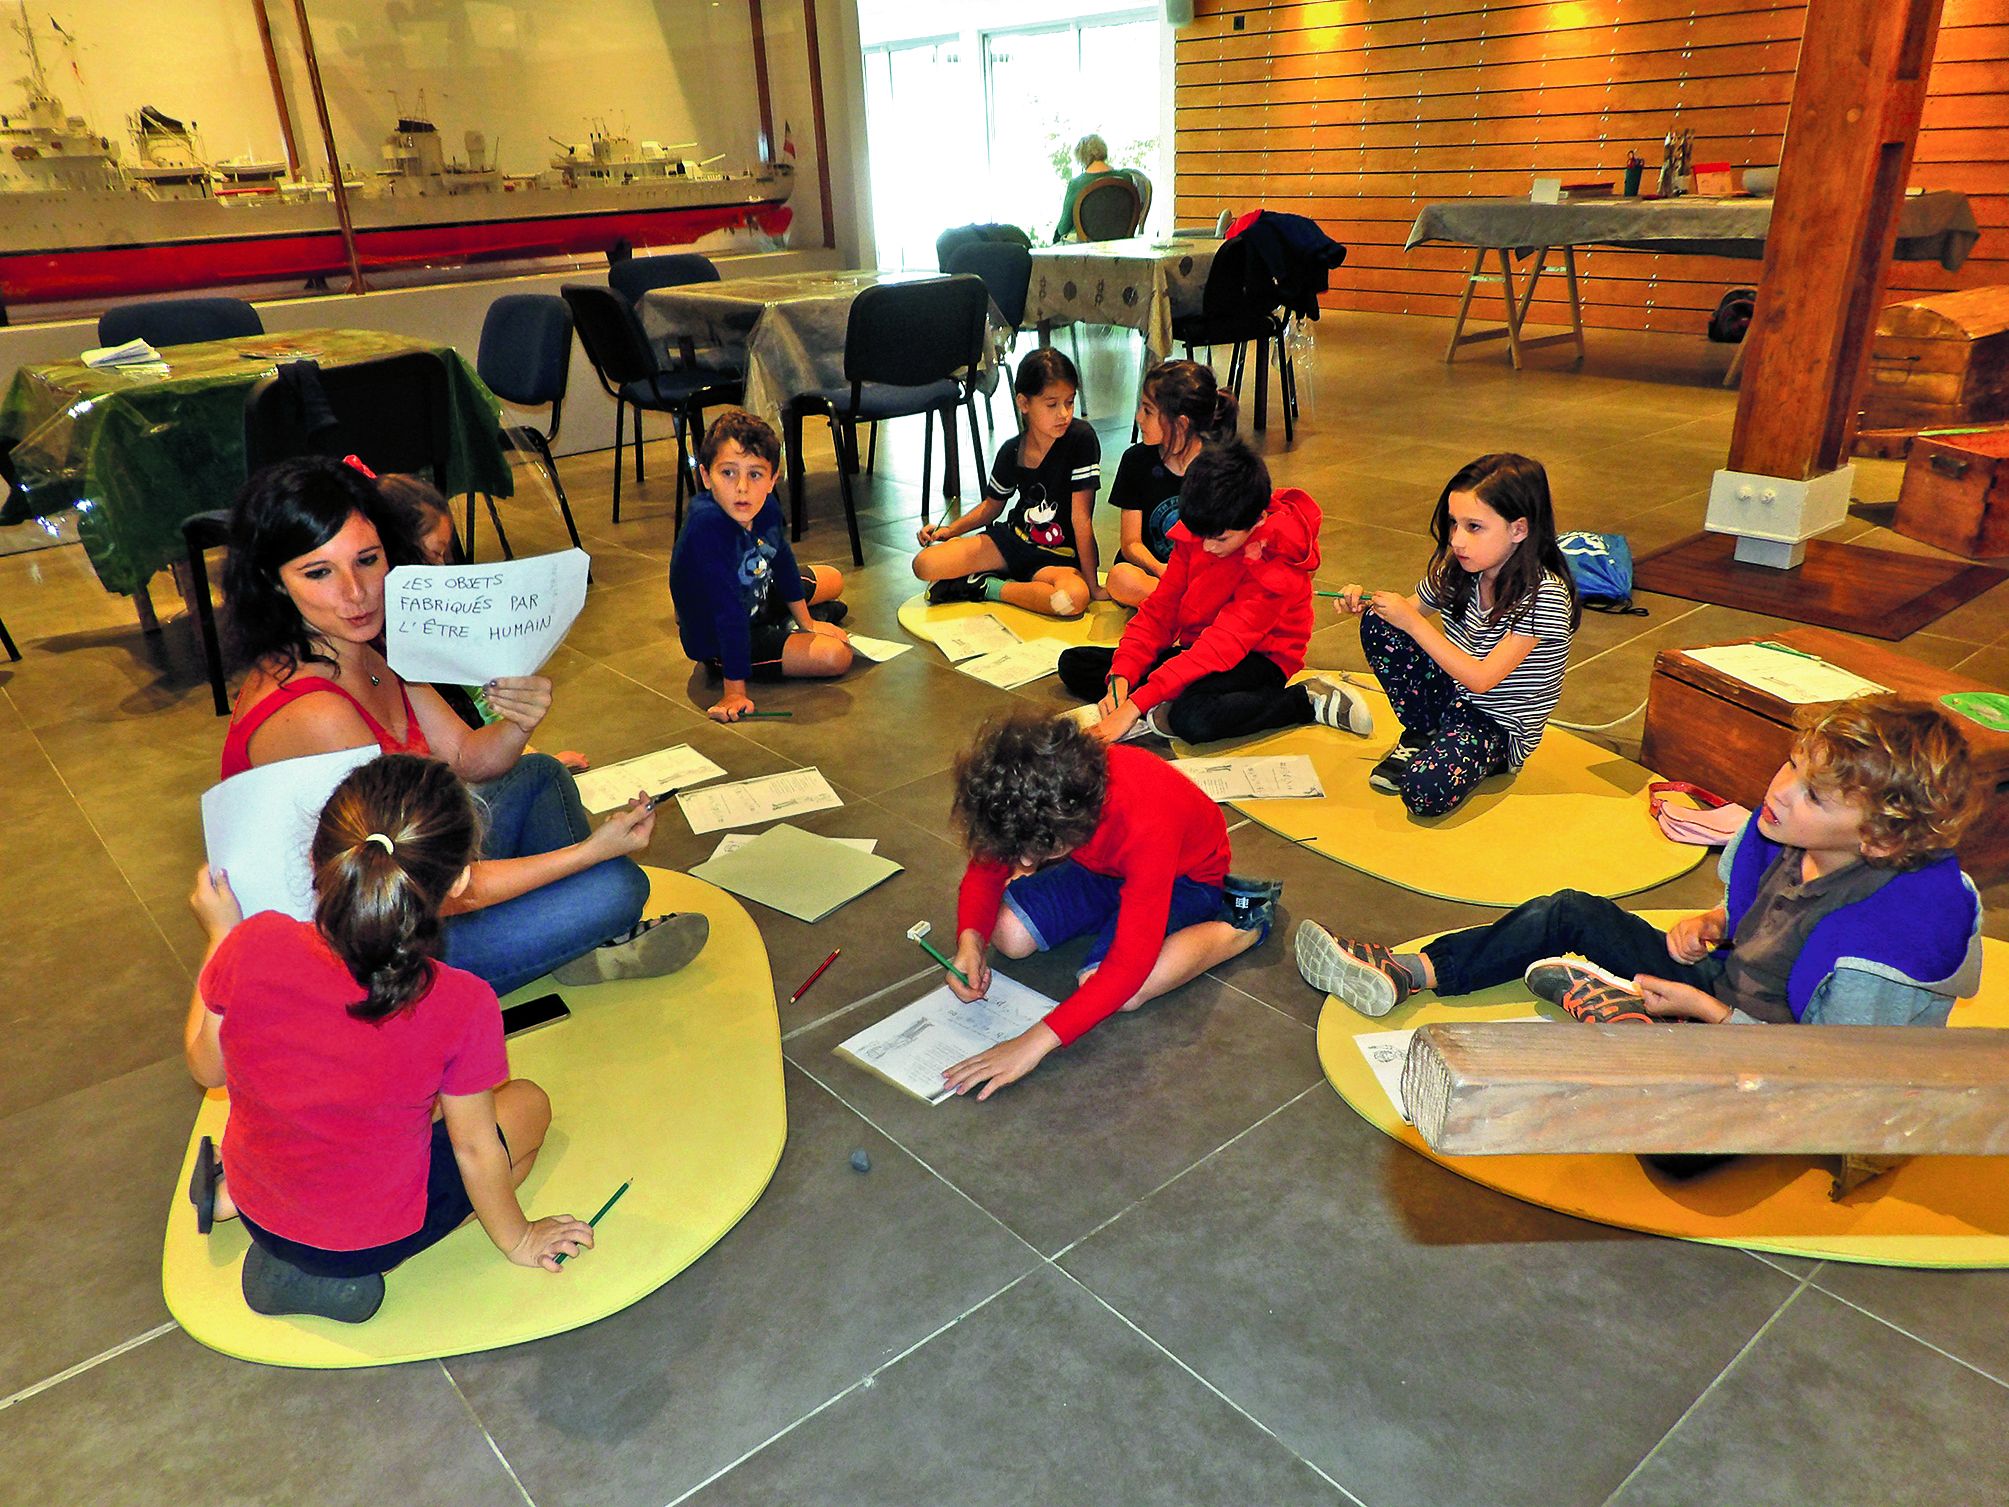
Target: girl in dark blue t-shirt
[{"x": 1179, "y": 408}]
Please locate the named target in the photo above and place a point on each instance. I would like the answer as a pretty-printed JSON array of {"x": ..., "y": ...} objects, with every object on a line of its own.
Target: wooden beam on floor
[
  {"x": 1850, "y": 132},
  {"x": 1489, "y": 1089}
]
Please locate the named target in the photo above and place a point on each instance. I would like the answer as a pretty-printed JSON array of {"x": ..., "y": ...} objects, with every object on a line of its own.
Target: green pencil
[
  {"x": 595, "y": 1220},
  {"x": 749, "y": 716}
]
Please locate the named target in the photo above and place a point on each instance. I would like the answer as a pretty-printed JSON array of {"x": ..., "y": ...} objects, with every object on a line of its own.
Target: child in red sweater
[
  {"x": 1069, "y": 839},
  {"x": 371, "y": 1107},
  {"x": 1211, "y": 651}
]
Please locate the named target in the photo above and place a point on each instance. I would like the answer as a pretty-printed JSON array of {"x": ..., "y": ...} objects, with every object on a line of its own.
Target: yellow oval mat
[
  {"x": 673, "y": 1082},
  {"x": 1101, "y": 624},
  {"x": 1933, "y": 1211},
  {"x": 1574, "y": 817}
]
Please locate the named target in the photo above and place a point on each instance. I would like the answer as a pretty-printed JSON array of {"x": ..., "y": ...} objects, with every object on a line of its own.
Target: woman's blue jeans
[{"x": 535, "y": 808}]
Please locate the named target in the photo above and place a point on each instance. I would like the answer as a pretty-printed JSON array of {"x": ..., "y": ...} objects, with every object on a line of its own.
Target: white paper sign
[
  {"x": 1280, "y": 777},
  {"x": 967, "y": 637},
  {"x": 676, "y": 768},
  {"x": 914, "y": 1046},
  {"x": 747, "y": 803},
  {"x": 258, "y": 827},
  {"x": 465, "y": 624}
]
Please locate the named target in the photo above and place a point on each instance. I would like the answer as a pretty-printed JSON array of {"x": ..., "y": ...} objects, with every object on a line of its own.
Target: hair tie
[
  {"x": 379, "y": 837},
  {"x": 355, "y": 463}
]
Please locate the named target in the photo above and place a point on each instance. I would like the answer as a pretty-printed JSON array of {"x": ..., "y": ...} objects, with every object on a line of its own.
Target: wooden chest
[
  {"x": 1956, "y": 493},
  {"x": 1729, "y": 737},
  {"x": 1942, "y": 360}
]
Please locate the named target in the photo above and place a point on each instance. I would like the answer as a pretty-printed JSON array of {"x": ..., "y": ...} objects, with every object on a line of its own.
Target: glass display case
[{"x": 267, "y": 144}]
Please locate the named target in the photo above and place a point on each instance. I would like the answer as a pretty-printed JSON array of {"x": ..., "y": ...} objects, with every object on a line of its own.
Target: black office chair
[
  {"x": 1235, "y": 311},
  {"x": 178, "y": 321},
  {"x": 909, "y": 348},
  {"x": 7, "y": 642},
  {"x": 1006, "y": 269},
  {"x": 630, "y": 371},
  {"x": 644, "y": 274},
  {"x": 392, "y": 413},
  {"x": 1109, "y": 209},
  {"x": 525, "y": 358}
]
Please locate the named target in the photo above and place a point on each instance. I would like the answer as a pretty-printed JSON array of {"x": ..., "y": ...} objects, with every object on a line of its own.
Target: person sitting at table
[
  {"x": 311, "y": 541},
  {"x": 1093, "y": 155}
]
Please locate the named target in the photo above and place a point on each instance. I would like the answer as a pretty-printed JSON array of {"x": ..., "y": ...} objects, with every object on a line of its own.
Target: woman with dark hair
[{"x": 311, "y": 541}]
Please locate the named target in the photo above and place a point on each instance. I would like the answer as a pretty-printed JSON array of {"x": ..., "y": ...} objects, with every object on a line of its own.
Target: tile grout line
[
  {"x": 1227, "y": 983},
  {"x": 868, "y": 1379},
  {"x": 1625, "y": 642},
  {"x": 86, "y": 1365},
  {"x": 1124, "y": 1319},
  {"x": 1708, "y": 1391},
  {"x": 476, "y": 1419},
  {"x": 1899, "y": 1328}
]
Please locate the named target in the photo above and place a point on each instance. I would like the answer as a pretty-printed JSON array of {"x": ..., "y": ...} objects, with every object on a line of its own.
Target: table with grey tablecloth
[
  {"x": 1932, "y": 227},
  {"x": 786, "y": 332},
  {"x": 1140, "y": 284}
]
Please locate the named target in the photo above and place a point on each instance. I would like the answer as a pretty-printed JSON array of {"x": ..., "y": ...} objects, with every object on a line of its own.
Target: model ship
[{"x": 79, "y": 219}]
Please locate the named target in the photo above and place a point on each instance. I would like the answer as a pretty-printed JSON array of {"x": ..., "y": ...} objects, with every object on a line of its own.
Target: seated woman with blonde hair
[{"x": 1092, "y": 152}]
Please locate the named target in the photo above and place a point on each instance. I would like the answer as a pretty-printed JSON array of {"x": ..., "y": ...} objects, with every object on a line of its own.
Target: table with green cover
[{"x": 136, "y": 453}]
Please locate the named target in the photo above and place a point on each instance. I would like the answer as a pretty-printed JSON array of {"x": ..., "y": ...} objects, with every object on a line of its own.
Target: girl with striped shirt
[{"x": 1474, "y": 695}]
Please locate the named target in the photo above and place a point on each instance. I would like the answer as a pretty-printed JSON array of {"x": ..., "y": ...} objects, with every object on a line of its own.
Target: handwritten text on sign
[{"x": 465, "y": 624}]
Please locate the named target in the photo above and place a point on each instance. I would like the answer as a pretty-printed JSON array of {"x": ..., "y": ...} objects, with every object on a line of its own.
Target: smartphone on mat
[{"x": 532, "y": 1013}]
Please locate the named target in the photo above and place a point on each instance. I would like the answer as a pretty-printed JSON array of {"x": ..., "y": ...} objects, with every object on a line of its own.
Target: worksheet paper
[
  {"x": 258, "y": 826},
  {"x": 1019, "y": 665},
  {"x": 467, "y": 624},
  {"x": 801, "y": 874},
  {"x": 878, "y": 650},
  {"x": 1283, "y": 777},
  {"x": 675, "y": 768},
  {"x": 732, "y": 842},
  {"x": 967, "y": 637},
  {"x": 1386, "y": 1051},
  {"x": 1798, "y": 678},
  {"x": 747, "y": 803},
  {"x": 914, "y": 1046}
]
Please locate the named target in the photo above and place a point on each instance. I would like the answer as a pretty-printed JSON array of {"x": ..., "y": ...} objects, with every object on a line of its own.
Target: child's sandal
[{"x": 202, "y": 1185}]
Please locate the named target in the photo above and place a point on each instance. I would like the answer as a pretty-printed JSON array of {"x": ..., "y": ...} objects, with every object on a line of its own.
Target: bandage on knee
[{"x": 1062, "y": 604}]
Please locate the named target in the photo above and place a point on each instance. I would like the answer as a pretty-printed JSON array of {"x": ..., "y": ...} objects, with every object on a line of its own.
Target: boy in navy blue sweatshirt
[{"x": 745, "y": 609}]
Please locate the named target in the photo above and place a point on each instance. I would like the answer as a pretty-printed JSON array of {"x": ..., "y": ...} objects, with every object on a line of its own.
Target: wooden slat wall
[{"x": 1356, "y": 112}]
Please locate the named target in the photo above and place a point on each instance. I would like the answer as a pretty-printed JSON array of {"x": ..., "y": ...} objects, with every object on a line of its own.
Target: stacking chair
[
  {"x": 909, "y": 348},
  {"x": 178, "y": 321},
  {"x": 1110, "y": 209},
  {"x": 1006, "y": 269},
  {"x": 628, "y": 368},
  {"x": 525, "y": 358},
  {"x": 1230, "y": 314},
  {"x": 1138, "y": 176},
  {"x": 392, "y": 413},
  {"x": 643, "y": 274},
  {"x": 7, "y": 642}
]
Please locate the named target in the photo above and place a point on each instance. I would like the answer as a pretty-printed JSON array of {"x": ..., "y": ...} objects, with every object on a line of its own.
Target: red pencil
[{"x": 815, "y": 976}]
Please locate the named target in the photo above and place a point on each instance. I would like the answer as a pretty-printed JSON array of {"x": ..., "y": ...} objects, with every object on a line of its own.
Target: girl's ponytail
[{"x": 392, "y": 842}]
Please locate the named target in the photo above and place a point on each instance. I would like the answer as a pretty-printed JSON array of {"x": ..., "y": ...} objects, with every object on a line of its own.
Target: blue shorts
[
  {"x": 1064, "y": 901},
  {"x": 447, "y": 1208}
]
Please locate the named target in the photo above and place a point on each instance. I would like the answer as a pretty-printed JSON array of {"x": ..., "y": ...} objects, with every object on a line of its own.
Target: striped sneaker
[
  {"x": 1364, "y": 974},
  {"x": 1334, "y": 705},
  {"x": 1585, "y": 990}
]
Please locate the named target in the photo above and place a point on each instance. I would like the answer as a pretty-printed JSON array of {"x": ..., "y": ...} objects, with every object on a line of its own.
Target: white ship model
[{"x": 79, "y": 220}]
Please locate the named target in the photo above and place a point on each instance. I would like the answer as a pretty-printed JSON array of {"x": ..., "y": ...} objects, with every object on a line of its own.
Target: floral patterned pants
[{"x": 1456, "y": 744}]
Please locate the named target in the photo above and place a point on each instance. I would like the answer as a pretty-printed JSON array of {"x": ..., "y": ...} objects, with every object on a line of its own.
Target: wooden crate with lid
[
  {"x": 1942, "y": 360},
  {"x": 1716, "y": 731},
  {"x": 1956, "y": 493}
]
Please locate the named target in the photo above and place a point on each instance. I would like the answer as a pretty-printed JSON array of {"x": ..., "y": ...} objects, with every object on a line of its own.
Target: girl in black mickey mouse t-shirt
[{"x": 1031, "y": 542}]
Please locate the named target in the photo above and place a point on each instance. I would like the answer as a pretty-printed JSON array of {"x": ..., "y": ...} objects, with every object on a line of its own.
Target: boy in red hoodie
[{"x": 1210, "y": 653}]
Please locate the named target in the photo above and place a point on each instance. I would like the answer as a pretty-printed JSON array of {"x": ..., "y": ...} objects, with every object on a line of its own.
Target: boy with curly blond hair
[{"x": 1844, "y": 904}]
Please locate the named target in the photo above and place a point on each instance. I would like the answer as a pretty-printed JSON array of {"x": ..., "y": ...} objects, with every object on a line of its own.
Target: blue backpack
[{"x": 1601, "y": 565}]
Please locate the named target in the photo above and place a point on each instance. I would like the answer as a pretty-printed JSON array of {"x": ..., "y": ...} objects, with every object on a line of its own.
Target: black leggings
[
  {"x": 1567, "y": 921},
  {"x": 1250, "y": 697}
]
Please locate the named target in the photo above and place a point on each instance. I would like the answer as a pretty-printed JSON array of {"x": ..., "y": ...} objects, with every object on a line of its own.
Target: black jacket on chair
[{"x": 1290, "y": 255}]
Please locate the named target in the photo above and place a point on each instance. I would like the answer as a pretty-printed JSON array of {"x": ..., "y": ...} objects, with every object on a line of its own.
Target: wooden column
[
  {"x": 1849, "y": 137},
  {"x": 768, "y": 145}
]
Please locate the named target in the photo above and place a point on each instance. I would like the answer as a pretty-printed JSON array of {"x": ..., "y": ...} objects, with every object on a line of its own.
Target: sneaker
[
  {"x": 1251, "y": 904},
  {"x": 274, "y": 1287},
  {"x": 1335, "y": 705},
  {"x": 1585, "y": 990},
  {"x": 1387, "y": 776},
  {"x": 832, "y": 613},
  {"x": 956, "y": 589},
  {"x": 202, "y": 1183},
  {"x": 1364, "y": 974},
  {"x": 652, "y": 949}
]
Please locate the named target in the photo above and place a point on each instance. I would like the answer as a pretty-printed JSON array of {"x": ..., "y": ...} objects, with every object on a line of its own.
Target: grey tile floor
[{"x": 1169, "y": 1267}]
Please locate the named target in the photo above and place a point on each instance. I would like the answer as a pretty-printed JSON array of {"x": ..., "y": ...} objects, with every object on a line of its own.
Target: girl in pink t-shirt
[{"x": 362, "y": 1129}]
